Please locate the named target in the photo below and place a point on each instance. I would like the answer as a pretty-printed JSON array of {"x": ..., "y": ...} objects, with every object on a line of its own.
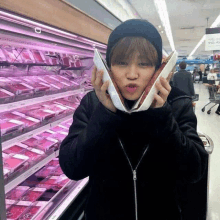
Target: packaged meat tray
[
  {"x": 61, "y": 182},
  {"x": 30, "y": 122},
  {"x": 46, "y": 134},
  {"x": 38, "y": 56},
  {"x": 26, "y": 55},
  {"x": 2, "y": 57},
  {"x": 33, "y": 210},
  {"x": 17, "y": 192},
  {"x": 11, "y": 54},
  {"x": 20, "y": 88},
  {"x": 6, "y": 96},
  {"x": 58, "y": 109},
  {"x": 58, "y": 128},
  {"x": 53, "y": 84},
  {"x": 60, "y": 136},
  {"x": 41, "y": 114},
  {"x": 65, "y": 60},
  {"x": 54, "y": 162},
  {"x": 15, "y": 211},
  {"x": 15, "y": 162},
  {"x": 33, "y": 194},
  {"x": 11, "y": 126},
  {"x": 9, "y": 202},
  {"x": 34, "y": 155},
  {"x": 52, "y": 58},
  {"x": 6, "y": 173},
  {"x": 32, "y": 142},
  {"x": 46, "y": 144},
  {"x": 16, "y": 149},
  {"x": 48, "y": 183},
  {"x": 45, "y": 172},
  {"x": 72, "y": 106},
  {"x": 5, "y": 116},
  {"x": 57, "y": 171}
]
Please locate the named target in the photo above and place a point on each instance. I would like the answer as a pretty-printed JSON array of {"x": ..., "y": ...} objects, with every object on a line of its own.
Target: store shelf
[
  {"x": 30, "y": 134},
  {"x": 69, "y": 199},
  {"x": 30, "y": 171},
  {"x": 27, "y": 102}
]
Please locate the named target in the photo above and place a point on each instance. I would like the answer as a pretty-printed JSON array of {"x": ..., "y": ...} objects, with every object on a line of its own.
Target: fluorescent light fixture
[
  {"x": 214, "y": 24},
  {"x": 163, "y": 14}
]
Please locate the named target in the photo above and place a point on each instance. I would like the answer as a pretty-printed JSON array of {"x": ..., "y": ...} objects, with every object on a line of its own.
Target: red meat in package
[
  {"x": 32, "y": 142},
  {"x": 58, "y": 128},
  {"x": 54, "y": 85},
  {"x": 6, "y": 95},
  {"x": 20, "y": 88},
  {"x": 10, "y": 126},
  {"x": 15, "y": 149},
  {"x": 46, "y": 144},
  {"x": 29, "y": 121},
  {"x": 38, "y": 56},
  {"x": 33, "y": 210},
  {"x": 54, "y": 162},
  {"x": 9, "y": 115},
  {"x": 60, "y": 136},
  {"x": 58, "y": 109},
  {"x": 26, "y": 55},
  {"x": 34, "y": 154},
  {"x": 33, "y": 194},
  {"x": 2, "y": 56},
  {"x": 11, "y": 54},
  {"x": 41, "y": 114},
  {"x": 57, "y": 171},
  {"x": 16, "y": 193},
  {"x": 48, "y": 183},
  {"x": 15, "y": 211},
  {"x": 45, "y": 172},
  {"x": 15, "y": 162},
  {"x": 46, "y": 134},
  {"x": 66, "y": 60},
  {"x": 61, "y": 182}
]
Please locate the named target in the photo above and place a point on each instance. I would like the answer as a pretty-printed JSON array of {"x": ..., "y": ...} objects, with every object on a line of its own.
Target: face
[{"x": 132, "y": 77}]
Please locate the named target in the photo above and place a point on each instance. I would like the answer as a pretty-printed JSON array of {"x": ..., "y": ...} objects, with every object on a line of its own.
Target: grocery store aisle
[{"x": 210, "y": 125}]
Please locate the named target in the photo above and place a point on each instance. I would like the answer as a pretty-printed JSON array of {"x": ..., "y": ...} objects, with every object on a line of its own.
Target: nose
[{"x": 132, "y": 72}]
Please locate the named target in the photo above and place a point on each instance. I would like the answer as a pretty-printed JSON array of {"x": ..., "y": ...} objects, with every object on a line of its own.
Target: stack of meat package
[{"x": 25, "y": 201}]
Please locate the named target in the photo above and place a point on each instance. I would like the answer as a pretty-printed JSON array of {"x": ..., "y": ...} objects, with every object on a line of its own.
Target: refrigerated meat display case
[{"x": 44, "y": 73}]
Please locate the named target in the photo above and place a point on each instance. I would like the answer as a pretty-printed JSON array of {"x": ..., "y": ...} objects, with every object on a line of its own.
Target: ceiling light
[
  {"x": 159, "y": 26},
  {"x": 214, "y": 24},
  {"x": 161, "y": 32},
  {"x": 163, "y": 14}
]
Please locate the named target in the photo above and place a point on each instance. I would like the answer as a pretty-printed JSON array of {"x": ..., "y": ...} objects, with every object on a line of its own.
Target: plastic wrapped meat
[
  {"x": 9, "y": 115},
  {"x": 33, "y": 210},
  {"x": 34, "y": 154},
  {"x": 26, "y": 55},
  {"x": 46, "y": 144},
  {"x": 66, "y": 103},
  {"x": 54, "y": 162},
  {"x": 58, "y": 109},
  {"x": 52, "y": 58},
  {"x": 32, "y": 142},
  {"x": 20, "y": 88},
  {"x": 15, "y": 162},
  {"x": 38, "y": 56},
  {"x": 15, "y": 149},
  {"x": 2, "y": 56},
  {"x": 46, "y": 134},
  {"x": 42, "y": 114},
  {"x": 29, "y": 121},
  {"x": 10, "y": 126},
  {"x": 11, "y": 54},
  {"x": 17, "y": 192},
  {"x": 33, "y": 194},
  {"x": 53, "y": 81},
  {"x": 6, "y": 96},
  {"x": 60, "y": 136},
  {"x": 15, "y": 211},
  {"x": 61, "y": 182},
  {"x": 44, "y": 172},
  {"x": 63, "y": 80},
  {"x": 48, "y": 183},
  {"x": 9, "y": 202},
  {"x": 57, "y": 171},
  {"x": 66, "y": 60}
]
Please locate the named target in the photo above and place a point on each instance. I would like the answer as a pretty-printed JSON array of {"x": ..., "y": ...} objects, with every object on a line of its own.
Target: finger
[
  {"x": 105, "y": 87},
  {"x": 103, "y": 96},
  {"x": 93, "y": 75},
  {"x": 163, "y": 93},
  {"x": 98, "y": 80},
  {"x": 159, "y": 101},
  {"x": 165, "y": 84}
]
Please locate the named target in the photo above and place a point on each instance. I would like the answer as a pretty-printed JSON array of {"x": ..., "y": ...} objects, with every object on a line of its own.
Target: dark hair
[
  {"x": 128, "y": 46},
  {"x": 182, "y": 65}
]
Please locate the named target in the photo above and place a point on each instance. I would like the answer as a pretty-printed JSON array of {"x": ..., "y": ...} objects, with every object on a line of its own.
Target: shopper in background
[
  {"x": 200, "y": 75},
  {"x": 133, "y": 160},
  {"x": 183, "y": 80},
  {"x": 194, "y": 74}
]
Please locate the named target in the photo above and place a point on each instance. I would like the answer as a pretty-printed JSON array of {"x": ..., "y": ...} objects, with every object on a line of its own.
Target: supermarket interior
[{"x": 46, "y": 62}]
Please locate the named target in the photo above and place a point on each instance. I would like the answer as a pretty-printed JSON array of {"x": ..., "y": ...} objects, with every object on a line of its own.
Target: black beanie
[{"x": 135, "y": 28}]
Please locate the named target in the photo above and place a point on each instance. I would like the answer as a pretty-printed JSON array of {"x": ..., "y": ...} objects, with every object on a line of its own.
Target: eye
[
  {"x": 144, "y": 64},
  {"x": 122, "y": 63}
]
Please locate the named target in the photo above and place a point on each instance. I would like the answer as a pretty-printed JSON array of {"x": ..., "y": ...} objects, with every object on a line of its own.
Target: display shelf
[
  {"x": 30, "y": 134},
  {"x": 45, "y": 98},
  {"x": 9, "y": 186},
  {"x": 69, "y": 199}
]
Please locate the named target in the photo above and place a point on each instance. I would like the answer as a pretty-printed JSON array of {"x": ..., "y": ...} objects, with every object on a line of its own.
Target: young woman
[{"x": 133, "y": 160}]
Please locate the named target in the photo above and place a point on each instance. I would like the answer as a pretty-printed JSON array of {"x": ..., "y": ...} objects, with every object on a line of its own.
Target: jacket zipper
[{"x": 134, "y": 172}]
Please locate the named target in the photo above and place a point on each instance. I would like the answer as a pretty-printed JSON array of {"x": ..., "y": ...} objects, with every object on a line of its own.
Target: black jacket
[
  {"x": 175, "y": 153},
  {"x": 183, "y": 81}
]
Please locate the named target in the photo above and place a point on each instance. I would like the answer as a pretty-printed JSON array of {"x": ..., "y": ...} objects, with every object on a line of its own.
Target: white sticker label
[
  {"x": 37, "y": 151},
  {"x": 49, "y": 111},
  {"x": 16, "y": 122},
  {"x": 22, "y": 157},
  {"x": 55, "y": 86},
  {"x": 33, "y": 119},
  {"x": 39, "y": 189},
  {"x": 7, "y": 92},
  {"x": 28, "y": 86}
]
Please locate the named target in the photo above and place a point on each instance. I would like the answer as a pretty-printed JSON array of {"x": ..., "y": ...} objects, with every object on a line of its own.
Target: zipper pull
[{"x": 134, "y": 175}]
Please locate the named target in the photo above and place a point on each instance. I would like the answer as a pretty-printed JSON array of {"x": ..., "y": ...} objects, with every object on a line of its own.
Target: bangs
[{"x": 127, "y": 47}]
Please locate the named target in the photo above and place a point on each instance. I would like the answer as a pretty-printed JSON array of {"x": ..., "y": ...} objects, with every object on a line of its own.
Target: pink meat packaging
[
  {"x": 42, "y": 114},
  {"x": 33, "y": 194},
  {"x": 11, "y": 54},
  {"x": 15, "y": 149},
  {"x": 48, "y": 183},
  {"x": 54, "y": 162},
  {"x": 38, "y": 56},
  {"x": 32, "y": 142},
  {"x": 60, "y": 136},
  {"x": 10, "y": 126},
  {"x": 6, "y": 95},
  {"x": 17, "y": 192},
  {"x": 57, "y": 171},
  {"x": 15, "y": 211},
  {"x": 33, "y": 154},
  {"x": 45, "y": 172},
  {"x": 61, "y": 182},
  {"x": 26, "y": 55},
  {"x": 46, "y": 144},
  {"x": 46, "y": 134}
]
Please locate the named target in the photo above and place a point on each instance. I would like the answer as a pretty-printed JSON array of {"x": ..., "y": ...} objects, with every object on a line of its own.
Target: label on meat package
[
  {"x": 37, "y": 151},
  {"x": 28, "y": 86},
  {"x": 22, "y": 157},
  {"x": 18, "y": 113},
  {"x": 49, "y": 111},
  {"x": 62, "y": 107},
  {"x": 51, "y": 139},
  {"x": 16, "y": 122},
  {"x": 55, "y": 86},
  {"x": 7, "y": 92},
  {"x": 24, "y": 203},
  {"x": 33, "y": 119},
  {"x": 10, "y": 201}
]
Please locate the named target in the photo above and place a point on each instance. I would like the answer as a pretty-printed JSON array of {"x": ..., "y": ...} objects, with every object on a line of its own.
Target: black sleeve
[
  {"x": 179, "y": 133},
  {"x": 87, "y": 135}
]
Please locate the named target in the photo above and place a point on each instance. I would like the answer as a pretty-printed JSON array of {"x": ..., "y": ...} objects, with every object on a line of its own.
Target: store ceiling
[{"x": 188, "y": 20}]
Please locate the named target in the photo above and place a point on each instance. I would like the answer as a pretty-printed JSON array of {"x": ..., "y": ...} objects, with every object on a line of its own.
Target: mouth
[{"x": 131, "y": 88}]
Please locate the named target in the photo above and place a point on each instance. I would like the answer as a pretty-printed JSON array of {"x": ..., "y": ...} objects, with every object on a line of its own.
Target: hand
[
  {"x": 164, "y": 89},
  {"x": 101, "y": 88}
]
